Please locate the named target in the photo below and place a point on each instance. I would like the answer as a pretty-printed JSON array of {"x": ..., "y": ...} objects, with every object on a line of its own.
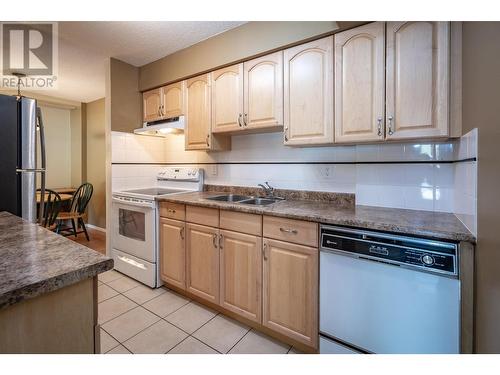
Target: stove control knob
[{"x": 428, "y": 260}]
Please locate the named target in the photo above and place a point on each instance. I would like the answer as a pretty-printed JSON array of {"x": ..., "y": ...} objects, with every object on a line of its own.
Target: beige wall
[
  {"x": 481, "y": 87},
  {"x": 76, "y": 146},
  {"x": 125, "y": 98},
  {"x": 95, "y": 161},
  {"x": 58, "y": 136},
  {"x": 250, "y": 39}
]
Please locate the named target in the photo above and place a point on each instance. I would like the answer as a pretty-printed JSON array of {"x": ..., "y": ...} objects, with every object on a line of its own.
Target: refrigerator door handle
[
  {"x": 21, "y": 170},
  {"x": 42, "y": 171}
]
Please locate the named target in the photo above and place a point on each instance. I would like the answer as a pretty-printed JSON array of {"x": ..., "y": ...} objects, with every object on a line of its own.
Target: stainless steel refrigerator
[{"x": 21, "y": 133}]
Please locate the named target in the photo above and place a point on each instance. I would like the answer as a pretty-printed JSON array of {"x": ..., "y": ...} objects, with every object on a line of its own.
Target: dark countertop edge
[
  {"x": 54, "y": 283},
  {"x": 434, "y": 233}
]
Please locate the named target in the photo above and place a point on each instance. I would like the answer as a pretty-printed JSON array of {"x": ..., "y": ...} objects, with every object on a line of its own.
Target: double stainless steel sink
[{"x": 244, "y": 199}]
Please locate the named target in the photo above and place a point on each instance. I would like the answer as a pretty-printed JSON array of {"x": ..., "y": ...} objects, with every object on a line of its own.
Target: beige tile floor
[{"x": 140, "y": 320}]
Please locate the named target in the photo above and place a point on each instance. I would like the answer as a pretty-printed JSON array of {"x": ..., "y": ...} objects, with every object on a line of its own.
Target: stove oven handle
[{"x": 132, "y": 203}]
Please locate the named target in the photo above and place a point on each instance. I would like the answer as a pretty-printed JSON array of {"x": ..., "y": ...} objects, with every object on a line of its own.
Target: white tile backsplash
[{"x": 434, "y": 187}]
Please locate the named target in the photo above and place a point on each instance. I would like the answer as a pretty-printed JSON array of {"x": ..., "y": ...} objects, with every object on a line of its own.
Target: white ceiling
[{"x": 84, "y": 46}]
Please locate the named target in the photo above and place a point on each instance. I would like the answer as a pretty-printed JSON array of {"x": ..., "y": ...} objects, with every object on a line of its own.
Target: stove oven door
[{"x": 134, "y": 228}]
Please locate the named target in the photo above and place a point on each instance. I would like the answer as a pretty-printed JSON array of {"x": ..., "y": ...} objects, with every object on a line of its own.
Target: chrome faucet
[{"x": 268, "y": 190}]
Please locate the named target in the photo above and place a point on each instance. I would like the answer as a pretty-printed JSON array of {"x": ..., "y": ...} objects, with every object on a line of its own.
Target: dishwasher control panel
[{"x": 423, "y": 254}]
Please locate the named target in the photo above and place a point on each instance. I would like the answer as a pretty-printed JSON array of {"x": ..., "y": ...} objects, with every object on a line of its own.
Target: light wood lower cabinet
[
  {"x": 272, "y": 282},
  {"x": 202, "y": 261},
  {"x": 241, "y": 274},
  {"x": 290, "y": 290},
  {"x": 173, "y": 252}
]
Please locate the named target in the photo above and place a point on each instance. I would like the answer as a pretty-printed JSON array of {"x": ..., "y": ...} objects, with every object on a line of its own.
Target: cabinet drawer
[
  {"x": 202, "y": 215},
  {"x": 173, "y": 210},
  {"x": 295, "y": 231},
  {"x": 241, "y": 222}
]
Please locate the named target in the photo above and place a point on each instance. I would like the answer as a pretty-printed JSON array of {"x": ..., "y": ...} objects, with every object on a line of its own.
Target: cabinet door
[
  {"x": 151, "y": 103},
  {"x": 417, "y": 79},
  {"x": 359, "y": 84},
  {"x": 309, "y": 93},
  {"x": 172, "y": 252},
  {"x": 198, "y": 113},
  {"x": 202, "y": 251},
  {"x": 227, "y": 99},
  {"x": 241, "y": 274},
  {"x": 173, "y": 99},
  {"x": 263, "y": 99},
  {"x": 290, "y": 288}
]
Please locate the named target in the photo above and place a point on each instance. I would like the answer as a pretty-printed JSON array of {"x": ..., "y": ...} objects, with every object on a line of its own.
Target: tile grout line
[
  {"x": 190, "y": 334},
  {"x": 109, "y": 320},
  {"x": 142, "y": 330},
  {"x": 165, "y": 320},
  {"x": 130, "y": 299},
  {"x": 114, "y": 338},
  {"x": 176, "y": 345},
  {"x": 246, "y": 333}
]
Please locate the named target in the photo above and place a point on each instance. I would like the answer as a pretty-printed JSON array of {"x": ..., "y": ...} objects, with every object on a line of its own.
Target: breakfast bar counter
[{"x": 48, "y": 290}]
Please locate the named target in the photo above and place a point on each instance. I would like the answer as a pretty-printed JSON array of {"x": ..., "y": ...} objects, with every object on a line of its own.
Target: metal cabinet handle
[
  {"x": 239, "y": 120},
  {"x": 221, "y": 241},
  {"x": 171, "y": 210},
  {"x": 379, "y": 126},
  {"x": 286, "y": 134},
  {"x": 182, "y": 233},
  {"x": 391, "y": 131},
  {"x": 214, "y": 240},
  {"x": 293, "y": 231},
  {"x": 245, "y": 119},
  {"x": 208, "y": 137},
  {"x": 264, "y": 248}
]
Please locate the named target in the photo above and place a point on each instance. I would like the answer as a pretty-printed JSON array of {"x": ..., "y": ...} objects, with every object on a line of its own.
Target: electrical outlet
[
  {"x": 326, "y": 172},
  {"x": 213, "y": 171}
]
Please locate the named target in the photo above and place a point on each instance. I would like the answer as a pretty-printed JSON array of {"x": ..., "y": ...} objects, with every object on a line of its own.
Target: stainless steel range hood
[{"x": 162, "y": 128}]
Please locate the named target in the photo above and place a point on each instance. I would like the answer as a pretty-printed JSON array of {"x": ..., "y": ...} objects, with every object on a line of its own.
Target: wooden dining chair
[
  {"x": 78, "y": 205},
  {"x": 51, "y": 208}
]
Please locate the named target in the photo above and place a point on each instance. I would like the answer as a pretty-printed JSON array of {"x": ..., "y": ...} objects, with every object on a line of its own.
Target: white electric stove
[{"x": 135, "y": 217}]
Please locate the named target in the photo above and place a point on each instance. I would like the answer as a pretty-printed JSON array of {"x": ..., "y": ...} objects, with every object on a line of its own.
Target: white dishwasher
[{"x": 384, "y": 293}]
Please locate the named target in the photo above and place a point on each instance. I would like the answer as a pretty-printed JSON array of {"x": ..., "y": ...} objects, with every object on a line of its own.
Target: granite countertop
[
  {"x": 438, "y": 225},
  {"x": 34, "y": 261}
]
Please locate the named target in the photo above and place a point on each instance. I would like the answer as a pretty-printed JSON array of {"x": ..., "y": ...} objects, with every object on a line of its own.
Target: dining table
[{"x": 64, "y": 197}]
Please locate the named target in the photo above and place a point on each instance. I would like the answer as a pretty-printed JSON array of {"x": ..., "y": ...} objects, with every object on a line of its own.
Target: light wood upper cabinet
[
  {"x": 248, "y": 96},
  {"x": 172, "y": 252},
  {"x": 359, "y": 84},
  {"x": 173, "y": 99},
  {"x": 202, "y": 260},
  {"x": 417, "y": 79},
  {"x": 263, "y": 97},
  {"x": 241, "y": 274},
  {"x": 290, "y": 287},
  {"x": 198, "y": 104},
  {"x": 308, "y": 93},
  {"x": 227, "y": 99},
  {"x": 151, "y": 105},
  {"x": 198, "y": 113}
]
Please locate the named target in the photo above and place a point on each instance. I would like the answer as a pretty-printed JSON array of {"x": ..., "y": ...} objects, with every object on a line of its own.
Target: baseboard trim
[{"x": 96, "y": 228}]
